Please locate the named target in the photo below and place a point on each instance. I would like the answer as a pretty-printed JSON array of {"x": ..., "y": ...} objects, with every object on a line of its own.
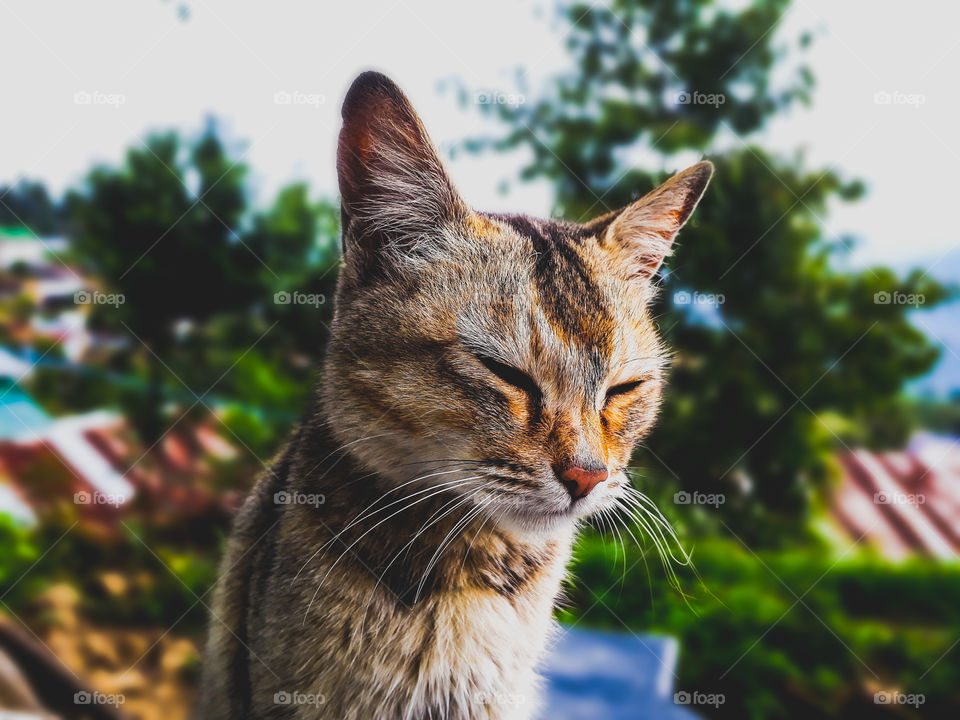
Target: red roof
[
  {"x": 172, "y": 476},
  {"x": 903, "y": 502}
]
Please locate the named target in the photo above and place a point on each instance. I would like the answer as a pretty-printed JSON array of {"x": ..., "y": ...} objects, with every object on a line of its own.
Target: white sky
[{"x": 230, "y": 59}]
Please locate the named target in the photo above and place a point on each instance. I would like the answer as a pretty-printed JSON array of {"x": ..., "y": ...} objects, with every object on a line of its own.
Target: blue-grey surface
[
  {"x": 608, "y": 676},
  {"x": 19, "y": 415}
]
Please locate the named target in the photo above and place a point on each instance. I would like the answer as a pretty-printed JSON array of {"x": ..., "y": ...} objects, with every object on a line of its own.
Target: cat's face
[{"x": 507, "y": 359}]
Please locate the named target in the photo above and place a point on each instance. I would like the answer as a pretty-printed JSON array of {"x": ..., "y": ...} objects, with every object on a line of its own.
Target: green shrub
[{"x": 791, "y": 634}]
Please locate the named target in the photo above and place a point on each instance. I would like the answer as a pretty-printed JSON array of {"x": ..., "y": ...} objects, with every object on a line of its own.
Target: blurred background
[{"x": 169, "y": 248}]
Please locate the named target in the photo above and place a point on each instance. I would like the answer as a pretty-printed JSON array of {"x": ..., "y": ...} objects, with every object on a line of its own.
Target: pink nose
[{"x": 580, "y": 481}]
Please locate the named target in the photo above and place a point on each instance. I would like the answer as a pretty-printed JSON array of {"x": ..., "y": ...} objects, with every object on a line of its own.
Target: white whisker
[{"x": 349, "y": 547}]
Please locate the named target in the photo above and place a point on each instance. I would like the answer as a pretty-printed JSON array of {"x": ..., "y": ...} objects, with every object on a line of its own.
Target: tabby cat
[{"x": 485, "y": 382}]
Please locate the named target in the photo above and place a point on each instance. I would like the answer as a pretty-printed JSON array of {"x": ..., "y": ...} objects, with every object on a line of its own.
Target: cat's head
[{"x": 502, "y": 357}]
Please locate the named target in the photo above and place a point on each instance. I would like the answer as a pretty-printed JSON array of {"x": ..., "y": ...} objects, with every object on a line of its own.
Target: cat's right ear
[{"x": 394, "y": 191}]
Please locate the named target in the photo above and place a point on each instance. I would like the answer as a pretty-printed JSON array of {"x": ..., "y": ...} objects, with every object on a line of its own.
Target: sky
[{"x": 83, "y": 81}]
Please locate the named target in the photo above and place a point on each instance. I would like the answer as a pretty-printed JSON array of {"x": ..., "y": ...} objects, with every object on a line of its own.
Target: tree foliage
[
  {"x": 199, "y": 270},
  {"x": 28, "y": 204}
]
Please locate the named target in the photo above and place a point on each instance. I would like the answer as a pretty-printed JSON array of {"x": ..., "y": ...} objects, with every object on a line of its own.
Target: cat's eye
[
  {"x": 511, "y": 376},
  {"x": 623, "y": 389}
]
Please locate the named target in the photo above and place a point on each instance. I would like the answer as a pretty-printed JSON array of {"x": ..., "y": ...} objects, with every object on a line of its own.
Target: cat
[{"x": 486, "y": 379}]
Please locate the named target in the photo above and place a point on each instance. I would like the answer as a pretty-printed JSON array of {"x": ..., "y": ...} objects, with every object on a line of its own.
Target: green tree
[
  {"x": 28, "y": 204},
  {"x": 790, "y": 357},
  {"x": 169, "y": 246},
  {"x": 297, "y": 239},
  {"x": 173, "y": 232}
]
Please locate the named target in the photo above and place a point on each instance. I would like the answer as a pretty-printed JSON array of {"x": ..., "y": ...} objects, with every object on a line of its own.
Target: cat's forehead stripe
[{"x": 569, "y": 295}]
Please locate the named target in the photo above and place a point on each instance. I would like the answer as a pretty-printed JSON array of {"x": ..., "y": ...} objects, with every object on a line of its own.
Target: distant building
[
  {"x": 903, "y": 503},
  {"x": 12, "y": 368},
  {"x": 94, "y": 460},
  {"x": 32, "y": 268},
  {"x": 30, "y": 438},
  {"x": 20, "y": 247}
]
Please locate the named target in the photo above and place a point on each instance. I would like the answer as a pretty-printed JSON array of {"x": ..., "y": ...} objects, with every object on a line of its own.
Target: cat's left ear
[{"x": 641, "y": 235}]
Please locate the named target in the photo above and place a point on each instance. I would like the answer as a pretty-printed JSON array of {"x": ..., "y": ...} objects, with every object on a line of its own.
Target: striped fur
[{"x": 423, "y": 585}]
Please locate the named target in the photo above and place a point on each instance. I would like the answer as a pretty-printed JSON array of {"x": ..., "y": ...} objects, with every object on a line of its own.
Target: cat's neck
[{"x": 417, "y": 537}]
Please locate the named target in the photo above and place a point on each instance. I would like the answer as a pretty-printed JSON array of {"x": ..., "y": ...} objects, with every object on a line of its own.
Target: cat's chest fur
[
  {"x": 474, "y": 653},
  {"x": 339, "y": 623}
]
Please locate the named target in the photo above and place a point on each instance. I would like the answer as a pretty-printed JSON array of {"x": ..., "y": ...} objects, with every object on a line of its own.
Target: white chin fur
[{"x": 548, "y": 516}]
